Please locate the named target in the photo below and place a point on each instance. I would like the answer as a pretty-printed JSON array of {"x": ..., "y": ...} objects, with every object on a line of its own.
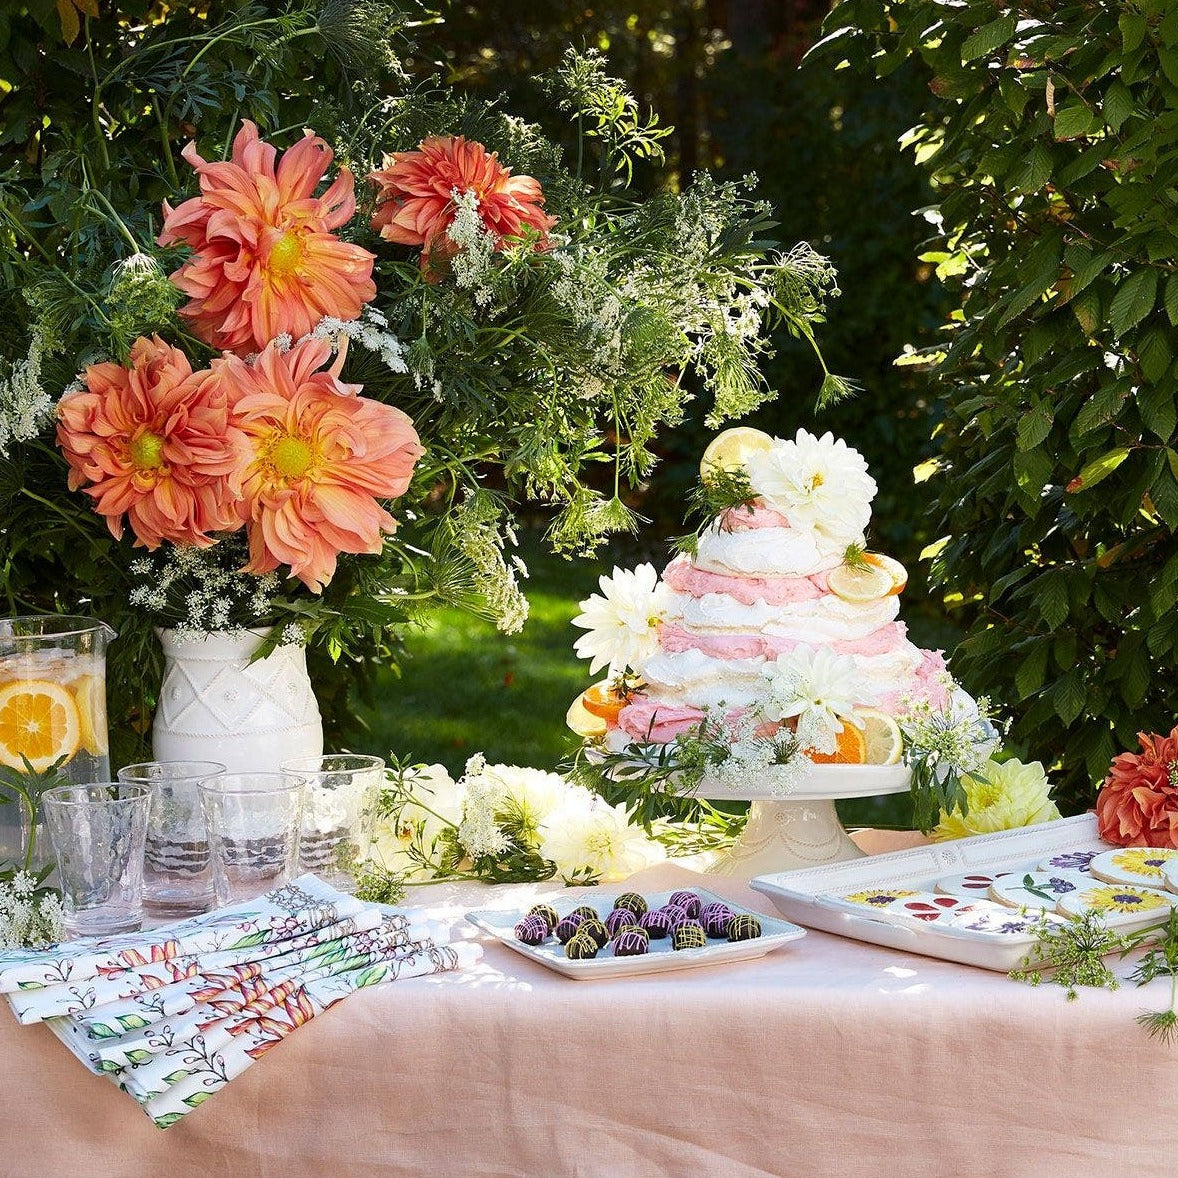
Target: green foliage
[
  {"x": 524, "y": 371},
  {"x": 1051, "y": 146}
]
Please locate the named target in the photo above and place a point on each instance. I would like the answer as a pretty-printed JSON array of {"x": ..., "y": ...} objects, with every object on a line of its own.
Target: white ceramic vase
[{"x": 215, "y": 705}]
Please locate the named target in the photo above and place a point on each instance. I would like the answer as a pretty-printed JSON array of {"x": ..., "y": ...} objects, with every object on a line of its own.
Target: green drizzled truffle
[
  {"x": 581, "y": 948},
  {"x": 633, "y": 901},
  {"x": 744, "y": 927}
]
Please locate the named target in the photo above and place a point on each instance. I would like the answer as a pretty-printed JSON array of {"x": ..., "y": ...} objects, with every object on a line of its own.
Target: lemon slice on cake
[
  {"x": 583, "y": 722},
  {"x": 881, "y": 736},
  {"x": 731, "y": 449},
  {"x": 860, "y": 583},
  {"x": 891, "y": 566}
]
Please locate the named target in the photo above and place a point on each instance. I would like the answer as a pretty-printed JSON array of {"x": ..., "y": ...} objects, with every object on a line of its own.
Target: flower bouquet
[{"x": 288, "y": 340}]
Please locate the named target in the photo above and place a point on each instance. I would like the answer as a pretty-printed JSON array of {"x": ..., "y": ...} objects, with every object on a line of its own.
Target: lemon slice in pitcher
[{"x": 40, "y": 720}]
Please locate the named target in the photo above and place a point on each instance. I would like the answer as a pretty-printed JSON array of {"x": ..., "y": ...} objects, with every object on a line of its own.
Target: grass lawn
[{"x": 468, "y": 688}]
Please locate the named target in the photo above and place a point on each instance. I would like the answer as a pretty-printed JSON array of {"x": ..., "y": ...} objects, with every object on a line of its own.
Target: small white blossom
[{"x": 25, "y": 407}]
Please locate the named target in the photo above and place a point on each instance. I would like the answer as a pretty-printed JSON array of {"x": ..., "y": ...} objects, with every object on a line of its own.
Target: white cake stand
[{"x": 802, "y": 828}]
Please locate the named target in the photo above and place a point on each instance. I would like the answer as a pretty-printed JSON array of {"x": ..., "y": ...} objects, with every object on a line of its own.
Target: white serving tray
[
  {"x": 802, "y": 895},
  {"x": 660, "y": 959}
]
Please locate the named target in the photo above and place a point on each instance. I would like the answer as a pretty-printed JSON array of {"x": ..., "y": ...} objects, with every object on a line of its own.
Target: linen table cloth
[{"x": 825, "y": 1057}]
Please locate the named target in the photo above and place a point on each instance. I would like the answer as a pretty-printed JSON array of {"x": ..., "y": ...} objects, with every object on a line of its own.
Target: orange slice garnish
[
  {"x": 850, "y": 748},
  {"x": 892, "y": 567},
  {"x": 40, "y": 720}
]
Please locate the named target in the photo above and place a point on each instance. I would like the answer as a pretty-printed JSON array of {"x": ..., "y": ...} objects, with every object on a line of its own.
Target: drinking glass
[
  {"x": 342, "y": 789},
  {"x": 97, "y": 832},
  {"x": 177, "y": 872},
  {"x": 253, "y": 821}
]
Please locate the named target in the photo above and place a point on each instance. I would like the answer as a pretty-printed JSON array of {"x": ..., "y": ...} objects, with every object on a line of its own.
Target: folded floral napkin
[
  {"x": 173, "y": 1015},
  {"x": 152, "y": 981},
  {"x": 298, "y": 907}
]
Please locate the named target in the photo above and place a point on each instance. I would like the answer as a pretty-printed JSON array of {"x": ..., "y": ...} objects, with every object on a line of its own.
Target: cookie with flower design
[
  {"x": 1133, "y": 865},
  {"x": 878, "y": 897},
  {"x": 969, "y": 884},
  {"x": 1118, "y": 903},
  {"x": 1036, "y": 889}
]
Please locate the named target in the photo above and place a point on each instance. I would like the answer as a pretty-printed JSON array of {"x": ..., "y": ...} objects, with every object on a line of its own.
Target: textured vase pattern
[{"x": 216, "y": 705}]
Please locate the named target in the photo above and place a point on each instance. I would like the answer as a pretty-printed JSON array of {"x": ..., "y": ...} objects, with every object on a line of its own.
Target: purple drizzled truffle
[
  {"x": 619, "y": 919},
  {"x": 566, "y": 929},
  {"x": 676, "y": 912},
  {"x": 688, "y": 901},
  {"x": 631, "y": 942},
  {"x": 715, "y": 918},
  {"x": 547, "y": 913},
  {"x": 531, "y": 930},
  {"x": 657, "y": 923}
]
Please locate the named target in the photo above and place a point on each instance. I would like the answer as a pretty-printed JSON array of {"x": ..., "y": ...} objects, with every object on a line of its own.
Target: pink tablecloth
[{"x": 825, "y": 1057}]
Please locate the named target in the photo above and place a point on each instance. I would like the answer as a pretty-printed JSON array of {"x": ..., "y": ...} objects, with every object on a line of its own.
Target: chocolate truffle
[
  {"x": 619, "y": 919},
  {"x": 633, "y": 901},
  {"x": 595, "y": 929},
  {"x": 657, "y": 923},
  {"x": 675, "y": 912},
  {"x": 689, "y": 935},
  {"x": 566, "y": 929},
  {"x": 631, "y": 942},
  {"x": 585, "y": 911},
  {"x": 715, "y": 918},
  {"x": 744, "y": 927},
  {"x": 688, "y": 901},
  {"x": 531, "y": 930},
  {"x": 581, "y": 948},
  {"x": 547, "y": 912}
]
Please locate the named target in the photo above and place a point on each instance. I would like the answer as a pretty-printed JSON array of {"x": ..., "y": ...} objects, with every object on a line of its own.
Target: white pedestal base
[{"x": 786, "y": 835}]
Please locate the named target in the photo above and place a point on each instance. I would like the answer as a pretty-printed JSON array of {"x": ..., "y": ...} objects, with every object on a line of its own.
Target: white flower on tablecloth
[
  {"x": 817, "y": 687},
  {"x": 479, "y": 831},
  {"x": 586, "y": 836},
  {"x": 623, "y": 620},
  {"x": 819, "y": 483}
]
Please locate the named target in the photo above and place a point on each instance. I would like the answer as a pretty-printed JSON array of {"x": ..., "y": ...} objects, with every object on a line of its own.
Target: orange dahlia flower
[
  {"x": 320, "y": 458},
  {"x": 416, "y": 204},
  {"x": 154, "y": 443},
  {"x": 265, "y": 261},
  {"x": 1138, "y": 803}
]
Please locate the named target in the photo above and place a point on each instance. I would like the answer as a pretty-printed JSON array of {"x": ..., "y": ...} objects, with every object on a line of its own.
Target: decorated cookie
[
  {"x": 1118, "y": 903},
  {"x": 1036, "y": 889},
  {"x": 1133, "y": 865},
  {"x": 878, "y": 897},
  {"x": 928, "y": 906},
  {"x": 1071, "y": 860},
  {"x": 970, "y": 886},
  {"x": 992, "y": 919},
  {"x": 1170, "y": 875}
]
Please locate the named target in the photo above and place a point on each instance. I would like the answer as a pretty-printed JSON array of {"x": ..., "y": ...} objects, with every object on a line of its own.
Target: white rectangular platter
[
  {"x": 809, "y": 896},
  {"x": 661, "y": 958}
]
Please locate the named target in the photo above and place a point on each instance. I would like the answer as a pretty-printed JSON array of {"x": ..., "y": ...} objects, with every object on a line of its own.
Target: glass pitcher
[{"x": 52, "y": 707}]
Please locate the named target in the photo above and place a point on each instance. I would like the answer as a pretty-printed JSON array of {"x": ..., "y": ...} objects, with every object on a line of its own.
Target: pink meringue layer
[
  {"x": 645, "y": 720},
  {"x": 675, "y": 639},
  {"x": 928, "y": 684},
  {"x": 684, "y": 577},
  {"x": 755, "y": 515}
]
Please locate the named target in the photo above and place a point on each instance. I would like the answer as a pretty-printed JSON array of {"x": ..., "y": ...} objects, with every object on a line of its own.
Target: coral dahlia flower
[
  {"x": 154, "y": 443},
  {"x": 320, "y": 459},
  {"x": 1138, "y": 803},
  {"x": 415, "y": 194},
  {"x": 266, "y": 262}
]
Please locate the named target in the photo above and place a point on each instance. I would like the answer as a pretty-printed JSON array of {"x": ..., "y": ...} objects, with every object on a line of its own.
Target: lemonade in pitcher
[{"x": 52, "y": 706}]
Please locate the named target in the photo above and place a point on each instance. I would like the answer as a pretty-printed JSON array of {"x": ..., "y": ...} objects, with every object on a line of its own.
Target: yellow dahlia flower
[{"x": 1007, "y": 796}]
